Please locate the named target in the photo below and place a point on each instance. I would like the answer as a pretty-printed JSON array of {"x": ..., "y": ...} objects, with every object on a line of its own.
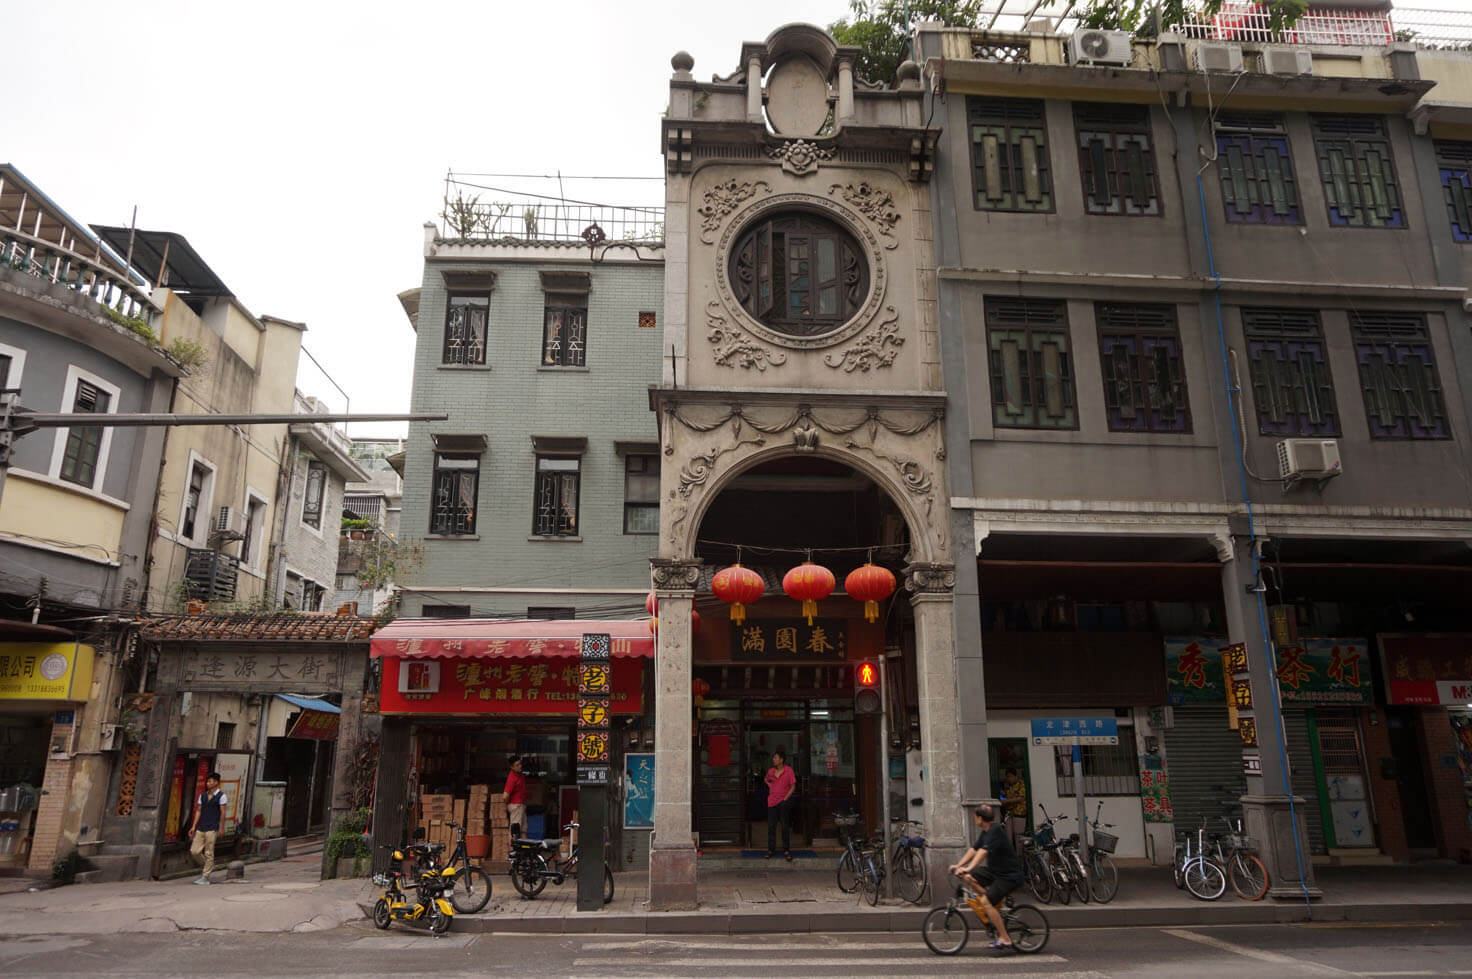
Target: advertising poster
[
  {"x": 234, "y": 772},
  {"x": 639, "y": 791}
]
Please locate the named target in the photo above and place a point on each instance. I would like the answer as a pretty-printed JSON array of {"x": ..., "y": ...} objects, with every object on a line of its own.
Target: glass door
[
  {"x": 832, "y": 769},
  {"x": 761, "y": 740}
]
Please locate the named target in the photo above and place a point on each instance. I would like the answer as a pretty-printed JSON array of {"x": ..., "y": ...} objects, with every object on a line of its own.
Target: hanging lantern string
[{"x": 808, "y": 551}]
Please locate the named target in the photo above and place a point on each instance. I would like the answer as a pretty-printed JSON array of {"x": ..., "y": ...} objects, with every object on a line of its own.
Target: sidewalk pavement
[{"x": 286, "y": 896}]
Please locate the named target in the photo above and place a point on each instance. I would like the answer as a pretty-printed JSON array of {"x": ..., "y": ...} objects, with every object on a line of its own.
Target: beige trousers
[
  {"x": 203, "y": 849},
  {"x": 516, "y": 816}
]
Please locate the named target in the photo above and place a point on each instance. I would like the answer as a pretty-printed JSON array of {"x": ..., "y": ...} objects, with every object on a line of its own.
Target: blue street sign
[{"x": 1075, "y": 730}]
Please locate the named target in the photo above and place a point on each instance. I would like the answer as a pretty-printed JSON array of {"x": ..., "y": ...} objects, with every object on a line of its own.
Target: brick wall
[
  {"x": 48, "y": 843},
  {"x": 1390, "y": 828},
  {"x": 514, "y": 398},
  {"x": 1444, "y": 780}
]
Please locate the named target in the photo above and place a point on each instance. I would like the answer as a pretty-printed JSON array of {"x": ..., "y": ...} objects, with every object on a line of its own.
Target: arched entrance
[{"x": 776, "y": 681}]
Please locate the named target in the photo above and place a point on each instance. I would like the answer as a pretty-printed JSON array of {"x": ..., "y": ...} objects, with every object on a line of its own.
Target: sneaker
[{"x": 201, "y": 880}]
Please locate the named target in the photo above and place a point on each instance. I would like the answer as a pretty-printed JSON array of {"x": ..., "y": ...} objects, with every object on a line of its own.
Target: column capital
[
  {"x": 930, "y": 578},
  {"x": 676, "y": 574}
]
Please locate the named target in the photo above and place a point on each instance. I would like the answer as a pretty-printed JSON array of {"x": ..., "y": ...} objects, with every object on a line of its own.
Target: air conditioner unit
[
  {"x": 1219, "y": 57},
  {"x": 230, "y": 523},
  {"x": 1308, "y": 459},
  {"x": 1091, "y": 46},
  {"x": 1287, "y": 61}
]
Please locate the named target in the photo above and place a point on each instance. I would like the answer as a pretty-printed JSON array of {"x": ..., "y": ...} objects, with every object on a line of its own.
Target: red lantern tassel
[
  {"x": 738, "y": 613},
  {"x": 809, "y": 609},
  {"x": 871, "y": 610}
]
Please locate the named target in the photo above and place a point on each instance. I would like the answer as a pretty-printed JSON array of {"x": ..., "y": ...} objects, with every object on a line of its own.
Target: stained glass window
[
  {"x": 1403, "y": 397},
  {"x": 1009, "y": 155},
  {"x": 1255, "y": 166},
  {"x": 1292, "y": 388},
  {"x": 1031, "y": 364},
  {"x": 1116, "y": 159},
  {"x": 1144, "y": 374}
]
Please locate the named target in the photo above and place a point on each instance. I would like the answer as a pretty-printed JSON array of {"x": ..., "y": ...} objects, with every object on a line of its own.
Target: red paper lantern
[
  {"x": 651, "y": 604},
  {"x": 739, "y": 587},
  {"x": 809, "y": 583},
  {"x": 870, "y": 584}
]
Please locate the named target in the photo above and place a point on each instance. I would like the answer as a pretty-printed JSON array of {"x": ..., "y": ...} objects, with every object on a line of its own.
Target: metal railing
[
  {"x": 51, "y": 262},
  {"x": 1248, "y": 23},
  {"x": 527, "y": 217}
]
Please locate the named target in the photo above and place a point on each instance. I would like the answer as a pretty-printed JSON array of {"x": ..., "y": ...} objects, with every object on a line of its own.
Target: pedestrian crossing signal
[
  {"x": 867, "y": 675},
  {"x": 866, "y": 689}
]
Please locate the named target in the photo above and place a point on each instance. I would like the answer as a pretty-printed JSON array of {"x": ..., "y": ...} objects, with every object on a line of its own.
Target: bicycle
[
  {"x": 1247, "y": 874},
  {"x": 530, "y": 868},
  {"x": 472, "y": 886},
  {"x": 946, "y": 929},
  {"x": 1103, "y": 874},
  {"x": 1074, "y": 880},
  {"x": 1195, "y": 871},
  {"x": 1044, "y": 866},
  {"x": 856, "y": 866},
  {"x": 907, "y": 862}
]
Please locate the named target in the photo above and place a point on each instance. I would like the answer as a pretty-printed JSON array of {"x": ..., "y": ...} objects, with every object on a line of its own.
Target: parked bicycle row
[{"x": 1205, "y": 863}]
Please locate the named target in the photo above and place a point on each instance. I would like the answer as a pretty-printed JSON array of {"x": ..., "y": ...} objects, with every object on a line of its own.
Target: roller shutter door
[{"x": 1204, "y": 759}]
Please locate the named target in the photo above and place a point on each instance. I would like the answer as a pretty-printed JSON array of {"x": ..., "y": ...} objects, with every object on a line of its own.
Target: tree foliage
[{"x": 881, "y": 30}]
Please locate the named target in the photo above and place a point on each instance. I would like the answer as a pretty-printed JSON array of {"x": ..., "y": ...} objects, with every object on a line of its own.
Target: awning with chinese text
[{"x": 500, "y": 638}]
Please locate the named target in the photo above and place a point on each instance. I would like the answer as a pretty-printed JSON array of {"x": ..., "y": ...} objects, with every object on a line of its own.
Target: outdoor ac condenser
[
  {"x": 1287, "y": 61},
  {"x": 1219, "y": 57},
  {"x": 1308, "y": 459},
  {"x": 1091, "y": 46}
]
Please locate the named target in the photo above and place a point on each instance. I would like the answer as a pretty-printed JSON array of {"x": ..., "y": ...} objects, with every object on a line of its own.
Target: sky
[{"x": 300, "y": 147}]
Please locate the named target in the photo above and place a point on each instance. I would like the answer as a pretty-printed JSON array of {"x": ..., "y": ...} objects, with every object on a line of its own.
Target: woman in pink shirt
[
  {"x": 515, "y": 797},
  {"x": 781, "y": 782}
]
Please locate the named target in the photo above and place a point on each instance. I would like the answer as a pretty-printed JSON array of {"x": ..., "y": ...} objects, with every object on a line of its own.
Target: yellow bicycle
[{"x": 946, "y": 928}]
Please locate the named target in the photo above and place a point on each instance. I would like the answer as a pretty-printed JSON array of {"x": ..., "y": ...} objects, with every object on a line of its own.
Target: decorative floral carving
[
  {"x": 875, "y": 204},
  {"x": 732, "y": 347},
  {"x": 674, "y": 573},
  {"x": 724, "y": 198},
  {"x": 799, "y": 156},
  {"x": 877, "y": 348},
  {"x": 805, "y": 437},
  {"x": 930, "y": 577}
]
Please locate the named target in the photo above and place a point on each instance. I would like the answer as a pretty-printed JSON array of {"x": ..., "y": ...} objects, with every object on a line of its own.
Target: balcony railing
[
  {"x": 210, "y": 575},
  {"x": 1248, "y": 23},
  {"x": 51, "y": 262},
  {"x": 526, "y": 217}
]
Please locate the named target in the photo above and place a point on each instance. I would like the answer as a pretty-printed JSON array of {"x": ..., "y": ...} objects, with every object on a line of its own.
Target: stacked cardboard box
[
  {"x": 498, "y": 812},
  {"x": 475, "y": 810},
  {"x": 436, "y": 812}
]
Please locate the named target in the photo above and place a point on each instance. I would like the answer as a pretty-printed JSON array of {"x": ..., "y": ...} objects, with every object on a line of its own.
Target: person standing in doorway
[
  {"x": 209, "y": 809},
  {"x": 781, "y": 783},
  {"x": 515, "y": 797}
]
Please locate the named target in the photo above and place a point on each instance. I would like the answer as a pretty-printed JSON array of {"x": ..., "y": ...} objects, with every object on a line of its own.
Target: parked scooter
[{"x": 417, "y": 898}]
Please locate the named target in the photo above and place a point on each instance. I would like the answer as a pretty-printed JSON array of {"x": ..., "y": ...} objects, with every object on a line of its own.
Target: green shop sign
[
  {"x": 1193, "y": 670},
  {"x": 1315, "y": 671}
]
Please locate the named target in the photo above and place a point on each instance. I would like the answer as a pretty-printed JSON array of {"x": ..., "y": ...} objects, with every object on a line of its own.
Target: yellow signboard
[{"x": 45, "y": 671}]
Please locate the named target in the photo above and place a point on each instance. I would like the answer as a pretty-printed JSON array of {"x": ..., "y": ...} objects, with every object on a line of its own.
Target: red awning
[{"x": 499, "y": 638}]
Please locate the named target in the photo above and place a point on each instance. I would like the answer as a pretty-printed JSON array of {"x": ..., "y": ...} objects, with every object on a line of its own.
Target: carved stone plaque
[{"x": 797, "y": 98}]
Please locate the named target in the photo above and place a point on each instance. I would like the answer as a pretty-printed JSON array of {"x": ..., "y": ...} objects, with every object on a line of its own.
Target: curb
[{"x": 905, "y": 921}]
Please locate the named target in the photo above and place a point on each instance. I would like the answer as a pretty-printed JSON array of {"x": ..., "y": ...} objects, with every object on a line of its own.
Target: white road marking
[
  {"x": 816, "y": 962},
  {"x": 823, "y": 943},
  {"x": 1261, "y": 955}
]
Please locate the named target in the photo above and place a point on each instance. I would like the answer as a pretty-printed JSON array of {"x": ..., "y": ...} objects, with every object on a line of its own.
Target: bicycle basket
[
  {"x": 1105, "y": 842},
  {"x": 1240, "y": 841},
  {"x": 847, "y": 822},
  {"x": 1043, "y": 836}
]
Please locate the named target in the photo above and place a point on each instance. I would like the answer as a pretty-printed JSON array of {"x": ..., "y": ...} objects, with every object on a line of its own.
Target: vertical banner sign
[
  {"x": 1239, "y": 705},
  {"x": 594, "y": 688}
]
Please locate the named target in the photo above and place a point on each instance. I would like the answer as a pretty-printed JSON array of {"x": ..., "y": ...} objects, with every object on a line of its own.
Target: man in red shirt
[
  {"x": 515, "y": 797},
  {"x": 781, "y": 783}
]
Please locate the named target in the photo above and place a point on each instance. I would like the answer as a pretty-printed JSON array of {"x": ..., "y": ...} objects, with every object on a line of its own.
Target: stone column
[
  {"x": 349, "y": 741},
  {"x": 752, "y": 55},
  {"x": 845, "y": 90},
  {"x": 671, "y": 849},
  {"x": 1271, "y": 813},
  {"x": 930, "y": 586}
]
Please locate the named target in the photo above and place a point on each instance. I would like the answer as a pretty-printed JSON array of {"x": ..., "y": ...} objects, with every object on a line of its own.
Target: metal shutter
[
  {"x": 1204, "y": 759},
  {"x": 1301, "y": 763}
]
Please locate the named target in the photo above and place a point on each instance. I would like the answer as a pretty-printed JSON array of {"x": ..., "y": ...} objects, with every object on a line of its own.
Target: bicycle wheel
[
  {"x": 1104, "y": 878},
  {"x": 1062, "y": 884},
  {"x": 869, "y": 881},
  {"x": 526, "y": 876},
  {"x": 945, "y": 931},
  {"x": 1249, "y": 876},
  {"x": 1078, "y": 876},
  {"x": 471, "y": 891},
  {"x": 848, "y": 872},
  {"x": 607, "y": 884},
  {"x": 1027, "y": 927},
  {"x": 1039, "y": 881},
  {"x": 1175, "y": 869},
  {"x": 1205, "y": 879},
  {"x": 910, "y": 880}
]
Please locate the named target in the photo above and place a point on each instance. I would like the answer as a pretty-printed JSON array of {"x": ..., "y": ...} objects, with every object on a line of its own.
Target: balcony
[
  {"x": 209, "y": 575},
  {"x": 481, "y": 213}
]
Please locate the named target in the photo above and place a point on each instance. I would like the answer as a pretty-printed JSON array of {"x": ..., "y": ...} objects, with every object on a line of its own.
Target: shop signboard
[
  {"x": 316, "y": 725},
  {"x": 784, "y": 640},
  {"x": 1193, "y": 670},
  {"x": 1325, "y": 671},
  {"x": 508, "y": 686},
  {"x": 45, "y": 671},
  {"x": 1074, "y": 730},
  {"x": 639, "y": 790},
  {"x": 1430, "y": 669},
  {"x": 206, "y": 670}
]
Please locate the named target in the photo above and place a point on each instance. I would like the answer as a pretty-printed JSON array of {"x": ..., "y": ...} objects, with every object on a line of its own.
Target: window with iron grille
[
  {"x": 1031, "y": 366},
  {"x": 1109, "y": 769},
  {"x": 1009, "y": 155},
  {"x": 1255, "y": 166},
  {"x": 453, "y": 494},
  {"x": 1454, "y": 160},
  {"x": 466, "y": 316},
  {"x": 84, "y": 445},
  {"x": 1116, "y": 159},
  {"x": 564, "y": 339},
  {"x": 641, "y": 494},
  {"x": 1291, "y": 382},
  {"x": 799, "y": 273},
  {"x": 1144, "y": 375},
  {"x": 1358, "y": 172},
  {"x": 315, "y": 494},
  {"x": 193, "y": 498},
  {"x": 556, "y": 502},
  {"x": 1403, "y": 397}
]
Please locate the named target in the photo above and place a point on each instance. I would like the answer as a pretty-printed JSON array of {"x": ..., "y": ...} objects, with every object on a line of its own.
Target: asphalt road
[{"x": 1337, "y": 949}]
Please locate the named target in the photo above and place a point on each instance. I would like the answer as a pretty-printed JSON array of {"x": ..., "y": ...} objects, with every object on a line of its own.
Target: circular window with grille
[{"x": 800, "y": 274}]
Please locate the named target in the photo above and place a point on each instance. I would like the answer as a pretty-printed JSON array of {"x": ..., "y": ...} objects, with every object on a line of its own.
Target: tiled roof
[{"x": 278, "y": 626}]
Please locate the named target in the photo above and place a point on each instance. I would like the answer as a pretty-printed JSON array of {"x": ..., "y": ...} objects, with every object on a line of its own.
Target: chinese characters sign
[
  {"x": 593, "y": 702},
  {"x": 1075, "y": 730},
  {"x": 1193, "y": 670},
  {"x": 45, "y": 671},
  {"x": 789, "y": 639},
  {"x": 318, "y": 725},
  {"x": 310, "y": 672},
  {"x": 1428, "y": 669},
  {"x": 482, "y": 686},
  {"x": 1325, "y": 671},
  {"x": 1240, "y": 715}
]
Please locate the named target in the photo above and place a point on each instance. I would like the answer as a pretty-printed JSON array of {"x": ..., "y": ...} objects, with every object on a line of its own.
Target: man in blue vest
[{"x": 209, "y": 811}]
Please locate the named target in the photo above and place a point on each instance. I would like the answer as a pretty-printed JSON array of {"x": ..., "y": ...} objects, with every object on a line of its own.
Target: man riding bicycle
[{"x": 1004, "y": 870}]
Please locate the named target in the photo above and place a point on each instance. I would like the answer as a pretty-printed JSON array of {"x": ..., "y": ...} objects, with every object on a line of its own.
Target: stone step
[{"x": 109, "y": 868}]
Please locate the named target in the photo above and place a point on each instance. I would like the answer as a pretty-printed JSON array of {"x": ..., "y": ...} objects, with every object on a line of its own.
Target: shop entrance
[{"x": 1402, "y": 725}]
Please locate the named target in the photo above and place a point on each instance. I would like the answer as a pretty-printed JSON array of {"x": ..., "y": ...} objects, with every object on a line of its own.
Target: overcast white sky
[{"x": 301, "y": 146}]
